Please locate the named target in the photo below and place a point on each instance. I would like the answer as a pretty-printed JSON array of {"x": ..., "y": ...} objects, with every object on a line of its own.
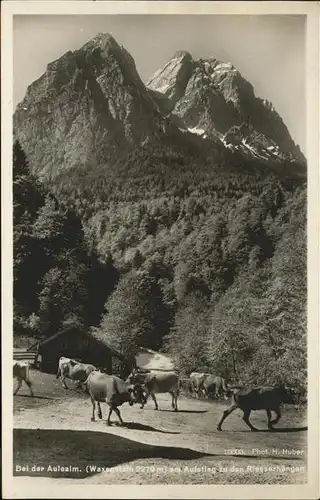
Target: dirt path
[{"x": 54, "y": 430}]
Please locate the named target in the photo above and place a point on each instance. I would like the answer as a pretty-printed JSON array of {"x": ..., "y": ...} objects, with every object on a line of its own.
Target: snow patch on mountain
[
  {"x": 196, "y": 130},
  {"x": 227, "y": 144}
]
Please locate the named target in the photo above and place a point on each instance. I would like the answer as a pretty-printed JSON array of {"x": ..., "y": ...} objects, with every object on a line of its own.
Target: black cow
[{"x": 259, "y": 398}]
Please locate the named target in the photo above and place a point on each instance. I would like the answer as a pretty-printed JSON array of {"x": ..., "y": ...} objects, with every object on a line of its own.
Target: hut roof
[{"x": 101, "y": 339}]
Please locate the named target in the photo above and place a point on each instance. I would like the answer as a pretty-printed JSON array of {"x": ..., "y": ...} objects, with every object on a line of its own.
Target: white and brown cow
[
  {"x": 21, "y": 373},
  {"x": 74, "y": 370}
]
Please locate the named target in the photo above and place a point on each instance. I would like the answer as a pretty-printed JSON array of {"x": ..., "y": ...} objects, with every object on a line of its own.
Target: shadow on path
[
  {"x": 289, "y": 429},
  {"x": 143, "y": 427},
  {"x": 84, "y": 452},
  {"x": 184, "y": 411},
  {"x": 35, "y": 397},
  {"x": 270, "y": 431}
]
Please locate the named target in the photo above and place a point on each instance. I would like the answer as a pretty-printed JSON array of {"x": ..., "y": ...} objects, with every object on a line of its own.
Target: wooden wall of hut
[{"x": 76, "y": 345}]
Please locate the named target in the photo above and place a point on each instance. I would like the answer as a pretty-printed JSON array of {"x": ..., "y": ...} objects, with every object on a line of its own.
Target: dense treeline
[
  {"x": 57, "y": 283},
  {"x": 204, "y": 257}
]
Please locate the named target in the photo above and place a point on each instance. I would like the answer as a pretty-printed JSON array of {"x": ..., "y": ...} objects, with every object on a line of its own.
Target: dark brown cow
[
  {"x": 112, "y": 390},
  {"x": 259, "y": 398}
]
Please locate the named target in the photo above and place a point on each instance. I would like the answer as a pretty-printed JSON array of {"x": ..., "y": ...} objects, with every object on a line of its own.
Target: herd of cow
[{"x": 142, "y": 383}]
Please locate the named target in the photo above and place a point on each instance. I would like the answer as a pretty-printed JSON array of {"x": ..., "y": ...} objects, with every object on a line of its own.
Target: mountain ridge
[{"x": 91, "y": 105}]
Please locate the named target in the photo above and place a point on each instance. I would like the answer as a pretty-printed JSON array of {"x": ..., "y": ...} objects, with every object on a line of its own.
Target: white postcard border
[{"x": 19, "y": 487}]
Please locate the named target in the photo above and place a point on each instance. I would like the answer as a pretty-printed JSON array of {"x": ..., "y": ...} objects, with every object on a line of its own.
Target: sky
[{"x": 268, "y": 50}]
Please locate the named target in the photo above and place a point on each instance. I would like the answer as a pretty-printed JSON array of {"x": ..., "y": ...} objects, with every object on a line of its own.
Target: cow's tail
[
  {"x": 28, "y": 382},
  {"x": 178, "y": 386},
  {"x": 58, "y": 372},
  {"x": 27, "y": 372},
  {"x": 85, "y": 384}
]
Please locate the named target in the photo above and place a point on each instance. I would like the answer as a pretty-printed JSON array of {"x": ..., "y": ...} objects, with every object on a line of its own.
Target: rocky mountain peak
[
  {"x": 182, "y": 54},
  {"x": 213, "y": 99},
  {"x": 103, "y": 41},
  {"x": 103, "y": 53},
  {"x": 87, "y": 105},
  {"x": 172, "y": 79}
]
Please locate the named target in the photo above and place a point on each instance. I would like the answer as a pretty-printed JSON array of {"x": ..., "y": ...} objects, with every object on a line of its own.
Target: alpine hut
[{"x": 87, "y": 347}]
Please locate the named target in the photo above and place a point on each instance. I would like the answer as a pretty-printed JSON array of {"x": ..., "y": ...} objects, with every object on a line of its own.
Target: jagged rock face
[
  {"x": 173, "y": 78},
  {"x": 211, "y": 98},
  {"x": 88, "y": 105}
]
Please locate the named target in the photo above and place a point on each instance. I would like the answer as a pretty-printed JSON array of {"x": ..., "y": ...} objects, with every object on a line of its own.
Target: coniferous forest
[{"x": 210, "y": 268}]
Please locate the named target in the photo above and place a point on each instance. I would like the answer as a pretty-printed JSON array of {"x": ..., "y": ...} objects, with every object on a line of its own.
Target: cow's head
[
  {"x": 227, "y": 393},
  {"x": 130, "y": 378},
  {"x": 137, "y": 376},
  {"x": 137, "y": 395},
  {"x": 289, "y": 395},
  {"x": 102, "y": 369},
  {"x": 133, "y": 375}
]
